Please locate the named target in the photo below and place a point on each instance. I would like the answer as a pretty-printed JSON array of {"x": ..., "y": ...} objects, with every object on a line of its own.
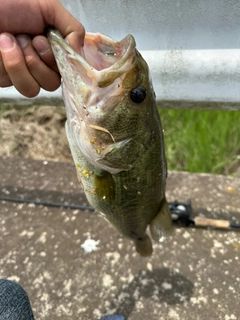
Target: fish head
[{"x": 108, "y": 96}]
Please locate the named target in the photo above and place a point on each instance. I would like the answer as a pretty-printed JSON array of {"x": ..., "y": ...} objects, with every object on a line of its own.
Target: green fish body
[{"x": 115, "y": 134}]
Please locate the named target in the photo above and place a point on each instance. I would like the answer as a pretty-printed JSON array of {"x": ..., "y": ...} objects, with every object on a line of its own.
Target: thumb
[{"x": 69, "y": 27}]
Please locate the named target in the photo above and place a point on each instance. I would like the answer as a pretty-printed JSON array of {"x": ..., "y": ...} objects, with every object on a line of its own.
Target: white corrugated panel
[{"x": 192, "y": 47}]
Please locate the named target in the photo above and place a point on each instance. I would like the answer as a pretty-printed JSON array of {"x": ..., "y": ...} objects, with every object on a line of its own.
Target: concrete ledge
[{"x": 195, "y": 275}]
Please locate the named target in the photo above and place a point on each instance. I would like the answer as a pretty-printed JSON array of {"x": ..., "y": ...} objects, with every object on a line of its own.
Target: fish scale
[{"x": 115, "y": 135}]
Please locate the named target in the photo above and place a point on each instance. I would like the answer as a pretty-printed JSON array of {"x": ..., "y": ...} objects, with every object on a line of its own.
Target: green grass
[
  {"x": 202, "y": 141},
  {"x": 195, "y": 140}
]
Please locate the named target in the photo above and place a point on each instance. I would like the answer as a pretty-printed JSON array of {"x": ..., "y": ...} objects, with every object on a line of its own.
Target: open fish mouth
[
  {"x": 101, "y": 60},
  {"x": 93, "y": 86}
]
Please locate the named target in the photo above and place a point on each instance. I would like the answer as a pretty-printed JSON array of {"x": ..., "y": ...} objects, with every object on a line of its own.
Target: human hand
[{"x": 26, "y": 59}]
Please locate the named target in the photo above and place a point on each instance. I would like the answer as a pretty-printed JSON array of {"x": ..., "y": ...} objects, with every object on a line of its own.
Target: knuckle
[
  {"x": 13, "y": 66},
  {"x": 31, "y": 61}
]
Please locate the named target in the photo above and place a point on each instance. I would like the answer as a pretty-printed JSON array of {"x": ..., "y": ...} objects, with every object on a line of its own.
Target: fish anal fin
[
  {"x": 161, "y": 225},
  {"x": 144, "y": 246}
]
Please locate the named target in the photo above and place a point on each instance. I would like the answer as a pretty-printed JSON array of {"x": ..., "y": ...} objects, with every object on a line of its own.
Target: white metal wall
[{"x": 191, "y": 46}]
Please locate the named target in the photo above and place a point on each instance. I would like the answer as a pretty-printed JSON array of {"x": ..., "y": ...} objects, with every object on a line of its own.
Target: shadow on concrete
[{"x": 161, "y": 285}]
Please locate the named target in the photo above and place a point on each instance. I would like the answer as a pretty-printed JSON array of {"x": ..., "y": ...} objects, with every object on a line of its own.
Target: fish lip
[
  {"x": 54, "y": 36},
  {"x": 104, "y": 75}
]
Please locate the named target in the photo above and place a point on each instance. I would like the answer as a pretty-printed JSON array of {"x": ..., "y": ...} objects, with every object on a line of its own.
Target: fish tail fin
[
  {"x": 144, "y": 246},
  {"x": 161, "y": 226}
]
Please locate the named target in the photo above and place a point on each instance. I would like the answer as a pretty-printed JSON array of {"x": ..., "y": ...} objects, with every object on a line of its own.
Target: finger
[
  {"x": 46, "y": 77},
  {"x": 5, "y": 81},
  {"x": 74, "y": 40},
  {"x": 15, "y": 66},
  {"x": 44, "y": 50},
  {"x": 69, "y": 27}
]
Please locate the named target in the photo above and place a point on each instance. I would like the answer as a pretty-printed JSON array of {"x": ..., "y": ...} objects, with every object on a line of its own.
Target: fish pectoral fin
[
  {"x": 144, "y": 246},
  {"x": 114, "y": 157},
  {"x": 161, "y": 225},
  {"x": 115, "y": 148}
]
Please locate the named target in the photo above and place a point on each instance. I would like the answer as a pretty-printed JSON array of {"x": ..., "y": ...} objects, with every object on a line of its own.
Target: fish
[{"x": 115, "y": 134}]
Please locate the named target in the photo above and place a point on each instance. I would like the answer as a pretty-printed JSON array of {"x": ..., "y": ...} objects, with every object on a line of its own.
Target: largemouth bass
[{"x": 115, "y": 135}]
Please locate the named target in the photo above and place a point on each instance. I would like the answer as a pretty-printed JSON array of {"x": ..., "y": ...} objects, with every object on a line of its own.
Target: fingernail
[
  {"x": 42, "y": 47},
  {"x": 23, "y": 40},
  {"x": 6, "y": 42}
]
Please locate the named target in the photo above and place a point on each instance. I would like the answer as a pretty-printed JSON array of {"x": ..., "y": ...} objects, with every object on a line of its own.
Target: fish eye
[{"x": 138, "y": 95}]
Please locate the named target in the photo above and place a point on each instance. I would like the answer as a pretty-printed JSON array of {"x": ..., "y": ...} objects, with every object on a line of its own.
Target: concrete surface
[{"x": 195, "y": 275}]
